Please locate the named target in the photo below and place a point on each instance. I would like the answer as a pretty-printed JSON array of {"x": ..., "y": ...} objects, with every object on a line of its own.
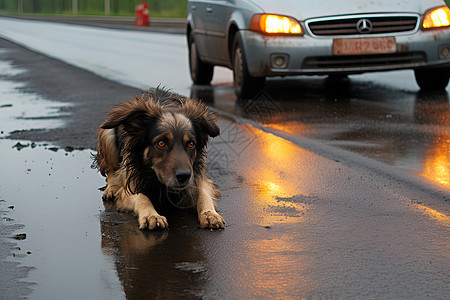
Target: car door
[{"x": 210, "y": 19}]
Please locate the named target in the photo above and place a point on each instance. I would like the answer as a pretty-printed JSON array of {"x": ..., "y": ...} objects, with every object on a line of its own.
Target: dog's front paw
[
  {"x": 211, "y": 219},
  {"x": 108, "y": 194},
  {"x": 152, "y": 222}
]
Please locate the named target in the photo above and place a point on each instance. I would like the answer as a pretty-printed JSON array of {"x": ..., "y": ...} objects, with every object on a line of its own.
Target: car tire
[
  {"x": 432, "y": 79},
  {"x": 245, "y": 85},
  {"x": 201, "y": 72}
]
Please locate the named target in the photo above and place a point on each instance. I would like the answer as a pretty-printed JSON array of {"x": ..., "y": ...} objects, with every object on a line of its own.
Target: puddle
[
  {"x": 57, "y": 238},
  {"x": 19, "y": 111},
  {"x": 49, "y": 207},
  {"x": 74, "y": 244},
  {"x": 6, "y": 70},
  {"x": 55, "y": 194}
]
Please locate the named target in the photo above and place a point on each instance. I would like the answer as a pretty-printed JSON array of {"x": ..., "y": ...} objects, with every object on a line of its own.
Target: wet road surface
[
  {"x": 306, "y": 218},
  {"x": 405, "y": 128}
]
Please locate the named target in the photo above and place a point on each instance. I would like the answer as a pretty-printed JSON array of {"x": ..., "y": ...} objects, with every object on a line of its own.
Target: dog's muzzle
[{"x": 183, "y": 178}]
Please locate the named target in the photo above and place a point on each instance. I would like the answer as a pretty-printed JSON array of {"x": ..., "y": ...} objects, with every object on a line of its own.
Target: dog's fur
[{"x": 152, "y": 151}]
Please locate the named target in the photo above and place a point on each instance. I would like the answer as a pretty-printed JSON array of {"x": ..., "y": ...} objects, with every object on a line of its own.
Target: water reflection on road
[
  {"x": 436, "y": 165},
  {"x": 434, "y": 111},
  {"x": 405, "y": 129},
  {"x": 150, "y": 264}
]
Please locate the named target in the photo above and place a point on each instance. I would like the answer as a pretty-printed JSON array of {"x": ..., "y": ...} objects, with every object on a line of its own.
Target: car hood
[{"x": 302, "y": 10}]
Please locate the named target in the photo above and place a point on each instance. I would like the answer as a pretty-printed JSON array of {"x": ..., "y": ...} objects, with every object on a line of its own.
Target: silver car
[{"x": 260, "y": 38}]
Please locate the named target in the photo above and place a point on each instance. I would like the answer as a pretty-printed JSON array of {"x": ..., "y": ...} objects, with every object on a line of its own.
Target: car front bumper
[{"x": 307, "y": 55}]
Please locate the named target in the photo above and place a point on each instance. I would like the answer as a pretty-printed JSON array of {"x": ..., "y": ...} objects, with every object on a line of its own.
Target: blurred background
[{"x": 158, "y": 8}]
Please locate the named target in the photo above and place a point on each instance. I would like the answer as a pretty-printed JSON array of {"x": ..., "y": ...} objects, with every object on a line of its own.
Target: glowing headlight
[
  {"x": 275, "y": 24},
  {"x": 437, "y": 17}
]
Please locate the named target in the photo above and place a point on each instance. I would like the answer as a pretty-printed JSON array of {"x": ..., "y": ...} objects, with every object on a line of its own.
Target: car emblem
[{"x": 364, "y": 26}]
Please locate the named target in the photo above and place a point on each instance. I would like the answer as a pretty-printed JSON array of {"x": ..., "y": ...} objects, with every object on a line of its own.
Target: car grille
[
  {"x": 348, "y": 26},
  {"x": 354, "y": 63}
]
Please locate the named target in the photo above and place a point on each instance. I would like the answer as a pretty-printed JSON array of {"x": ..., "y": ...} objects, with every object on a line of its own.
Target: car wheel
[
  {"x": 245, "y": 85},
  {"x": 432, "y": 79},
  {"x": 201, "y": 72}
]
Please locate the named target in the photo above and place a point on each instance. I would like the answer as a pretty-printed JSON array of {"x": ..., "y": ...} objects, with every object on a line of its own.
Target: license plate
[{"x": 364, "y": 46}]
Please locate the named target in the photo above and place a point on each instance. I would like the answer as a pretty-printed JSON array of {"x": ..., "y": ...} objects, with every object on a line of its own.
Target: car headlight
[
  {"x": 275, "y": 24},
  {"x": 437, "y": 17}
]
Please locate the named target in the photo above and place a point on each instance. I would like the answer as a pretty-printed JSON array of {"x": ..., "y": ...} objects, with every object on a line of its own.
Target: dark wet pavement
[
  {"x": 307, "y": 230},
  {"x": 55, "y": 195},
  {"x": 305, "y": 217},
  {"x": 313, "y": 229},
  {"x": 404, "y": 128}
]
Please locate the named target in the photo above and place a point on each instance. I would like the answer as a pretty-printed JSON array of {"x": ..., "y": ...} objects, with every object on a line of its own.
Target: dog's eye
[
  {"x": 191, "y": 144},
  {"x": 161, "y": 144}
]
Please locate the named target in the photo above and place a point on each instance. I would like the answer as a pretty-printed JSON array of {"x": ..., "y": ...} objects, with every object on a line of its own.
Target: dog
[{"x": 152, "y": 151}]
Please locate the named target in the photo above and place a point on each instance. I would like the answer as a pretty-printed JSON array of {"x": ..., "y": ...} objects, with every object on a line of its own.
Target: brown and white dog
[{"x": 152, "y": 150}]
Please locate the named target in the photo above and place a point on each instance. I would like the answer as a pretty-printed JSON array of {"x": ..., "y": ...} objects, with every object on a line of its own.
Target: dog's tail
[{"x": 107, "y": 158}]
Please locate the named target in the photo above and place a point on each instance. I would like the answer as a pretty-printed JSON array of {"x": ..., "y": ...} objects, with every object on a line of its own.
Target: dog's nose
[{"x": 183, "y": 177}]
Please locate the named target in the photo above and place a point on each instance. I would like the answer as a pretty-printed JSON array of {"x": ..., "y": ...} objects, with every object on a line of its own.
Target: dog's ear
[
  {"x": 203, "y": 119},
  {"x": 131, "y": 114},
  {"x": 209, "y": 122},
  {"x": 119, "y": 116}
]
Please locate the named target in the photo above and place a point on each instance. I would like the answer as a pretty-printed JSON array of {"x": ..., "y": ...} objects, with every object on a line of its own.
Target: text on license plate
[{"x": 364, "y": 46}]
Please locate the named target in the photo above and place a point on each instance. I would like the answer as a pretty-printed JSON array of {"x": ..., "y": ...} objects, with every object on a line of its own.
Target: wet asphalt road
[
  {"x": 306, "y": 218},
  {"x": 399, "y": 126}
]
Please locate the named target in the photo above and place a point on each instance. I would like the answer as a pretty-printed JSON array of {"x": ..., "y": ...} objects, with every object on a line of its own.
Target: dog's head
[{"x": 164, "y": 134}]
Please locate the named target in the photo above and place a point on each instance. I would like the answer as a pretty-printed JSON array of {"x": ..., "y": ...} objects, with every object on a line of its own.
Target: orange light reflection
[
  {"x": 291, "y": 127},
  {"x": 436, "y": 165},
  {"x": 441, "y": 218},
  {"x": 276, "y": 260},
  {"x": 274, "y": 181},
  {"x": 271, "y": 263},
  {"x": 274, "y": 266}
]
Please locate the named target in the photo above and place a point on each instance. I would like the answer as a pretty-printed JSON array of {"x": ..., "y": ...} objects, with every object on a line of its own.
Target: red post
[{"x": 142, "y": 16}]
